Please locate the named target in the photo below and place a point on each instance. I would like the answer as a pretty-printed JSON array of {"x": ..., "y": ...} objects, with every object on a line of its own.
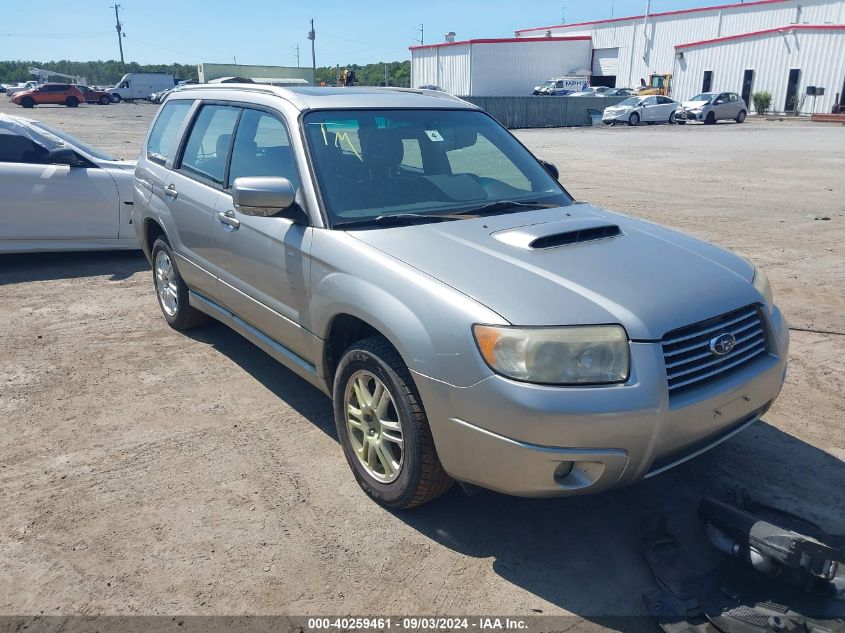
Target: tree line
[{"x": 107, "y": 73}]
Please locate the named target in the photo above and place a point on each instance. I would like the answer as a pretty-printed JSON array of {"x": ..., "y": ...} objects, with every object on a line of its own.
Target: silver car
[
  {"x": 404, "y": 253},
  {"x": 709, "y": 107},
  {"x": 649, "y": 109}
]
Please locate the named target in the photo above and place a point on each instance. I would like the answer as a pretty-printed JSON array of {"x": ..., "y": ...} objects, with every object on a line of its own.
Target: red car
[
  {"x": 95, "y": 96},
  {"x": 59, "y": 94}
]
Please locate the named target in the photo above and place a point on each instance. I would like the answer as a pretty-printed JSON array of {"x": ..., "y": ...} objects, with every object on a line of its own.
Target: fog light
[{"x": 563, "y": 469}]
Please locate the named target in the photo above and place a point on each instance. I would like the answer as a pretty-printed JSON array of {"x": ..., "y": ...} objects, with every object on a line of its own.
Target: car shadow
[
  {"x": 23, "y": 267},
  {"x": 584, "y": 554}
]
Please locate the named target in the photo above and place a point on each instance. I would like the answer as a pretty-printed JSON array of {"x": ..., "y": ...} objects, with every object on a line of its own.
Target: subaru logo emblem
[{"x": 723, "y": 344}]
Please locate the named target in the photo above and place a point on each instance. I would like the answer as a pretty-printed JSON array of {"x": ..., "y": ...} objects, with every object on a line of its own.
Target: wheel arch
[
  {"x": 355, "y": 308},
  {"x": 153, "y": 229}
]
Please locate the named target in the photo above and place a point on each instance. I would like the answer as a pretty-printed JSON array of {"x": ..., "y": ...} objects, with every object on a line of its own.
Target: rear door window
[
  {"x": 207, "y": 149},
  {"x": 162, "y": 143}
]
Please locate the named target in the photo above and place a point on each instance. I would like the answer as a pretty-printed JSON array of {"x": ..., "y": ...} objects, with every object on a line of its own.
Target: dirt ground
[{"x": 144, "y": 471}]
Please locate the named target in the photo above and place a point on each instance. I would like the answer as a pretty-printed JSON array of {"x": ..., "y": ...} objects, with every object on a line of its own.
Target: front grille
[{"x": 691, "y": 363}]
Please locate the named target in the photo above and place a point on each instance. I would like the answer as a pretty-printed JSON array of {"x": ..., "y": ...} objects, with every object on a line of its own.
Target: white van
[{"x": 140, "y": 85}]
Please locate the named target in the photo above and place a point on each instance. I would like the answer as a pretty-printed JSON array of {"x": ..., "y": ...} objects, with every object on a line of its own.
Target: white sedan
[
  {"x": 647, "y": 109},
  {"x": 57, "y": 193}
]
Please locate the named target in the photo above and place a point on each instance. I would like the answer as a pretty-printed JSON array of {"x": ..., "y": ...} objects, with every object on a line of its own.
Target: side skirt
[{"x": 279, "y": 352}]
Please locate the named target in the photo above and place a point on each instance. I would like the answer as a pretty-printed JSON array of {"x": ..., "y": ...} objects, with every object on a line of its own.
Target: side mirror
[
  {"x": 552, "y": 169},
  {"x": 63, "y": 156},
  {"x": 262, "y": 196}
]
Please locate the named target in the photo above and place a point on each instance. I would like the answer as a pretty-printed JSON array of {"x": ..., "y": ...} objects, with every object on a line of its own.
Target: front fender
[{"x": 428, "y": 322}]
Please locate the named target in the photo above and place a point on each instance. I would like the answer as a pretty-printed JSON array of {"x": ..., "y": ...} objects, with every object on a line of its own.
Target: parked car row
[{"x": 707, "y": 108}]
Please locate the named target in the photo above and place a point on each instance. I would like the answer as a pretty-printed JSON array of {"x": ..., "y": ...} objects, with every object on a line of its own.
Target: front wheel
[
  {"x": 741, "y": 116},
  {"x": 710, "y": 119},
  {"x": 27, "y": 102},
  {"x": 115, "y": 98},
  {"x": 104, "y": 100},
  {"x": 634, "y": 119},
  {"x": 383, "y": 428},
  {"x": 671, "y": 118},
  {"x": 171, "y": 291}
]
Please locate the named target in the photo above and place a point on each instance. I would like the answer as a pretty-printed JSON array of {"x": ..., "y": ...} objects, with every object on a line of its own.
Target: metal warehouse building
[
  {"x": 780, "y": 46},
  {"x": 500, "y": 67}
]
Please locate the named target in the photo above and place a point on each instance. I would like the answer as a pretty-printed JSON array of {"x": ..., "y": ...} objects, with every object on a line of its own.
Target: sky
[{"x": 267, "y": 31}]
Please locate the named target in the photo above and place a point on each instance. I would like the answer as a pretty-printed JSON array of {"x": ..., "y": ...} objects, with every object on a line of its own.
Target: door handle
[
  {"x": 228, "y": 218},
  {"x": 170, "y": 191}
]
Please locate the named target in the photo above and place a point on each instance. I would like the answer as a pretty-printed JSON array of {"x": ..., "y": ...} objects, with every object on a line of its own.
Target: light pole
[
  {"x": 119, "y": 28},
  {"x": 312, "y": 36}
]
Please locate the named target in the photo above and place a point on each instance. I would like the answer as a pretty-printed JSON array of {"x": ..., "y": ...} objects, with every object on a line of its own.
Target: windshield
[
  {"x": 704, "y": 96},
  {"x": 631, "y": 101},
  {"x": 372, "y": 163},
  {"x": 75, "y": 142}
]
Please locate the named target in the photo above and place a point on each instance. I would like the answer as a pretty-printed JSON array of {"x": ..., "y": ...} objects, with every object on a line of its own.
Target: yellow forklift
[{"x": 658, "y": 84}]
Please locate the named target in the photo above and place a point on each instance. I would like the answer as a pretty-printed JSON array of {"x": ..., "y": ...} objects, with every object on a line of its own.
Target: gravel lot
[{"x": 145, "y": 471}]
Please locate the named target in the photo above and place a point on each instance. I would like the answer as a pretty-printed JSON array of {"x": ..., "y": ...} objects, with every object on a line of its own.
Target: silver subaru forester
[{"x": 403, "y": 252}]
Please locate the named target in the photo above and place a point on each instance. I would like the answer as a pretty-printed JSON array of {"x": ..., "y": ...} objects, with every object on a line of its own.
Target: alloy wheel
[
  {"x": 372, "y": 421},
  {"x": 166, "y": 284}
]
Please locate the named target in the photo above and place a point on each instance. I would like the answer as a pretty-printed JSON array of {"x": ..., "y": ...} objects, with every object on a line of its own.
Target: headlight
[
  {"x": 556, "y": 355},
  {"x": 761, "y": 283}
]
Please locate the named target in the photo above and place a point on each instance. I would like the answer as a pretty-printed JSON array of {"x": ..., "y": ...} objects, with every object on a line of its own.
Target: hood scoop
[{"x": 562, "y": 233}]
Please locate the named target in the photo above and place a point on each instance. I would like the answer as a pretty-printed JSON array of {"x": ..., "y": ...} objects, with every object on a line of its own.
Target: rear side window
[
  {"x": 162, "y": 141},
  {"x": 208, "y": 143}
]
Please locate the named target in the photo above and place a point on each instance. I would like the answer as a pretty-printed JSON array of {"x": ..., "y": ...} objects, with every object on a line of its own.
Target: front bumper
[
  {"x": 514, "y": 437},
  {"x": 615, "y": 117},
  {"x": 687, "y": 115}
]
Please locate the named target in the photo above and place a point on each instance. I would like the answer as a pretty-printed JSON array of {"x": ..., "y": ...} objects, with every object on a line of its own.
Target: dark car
[
  {"x": 95, "y": 96},
  {"x": 58, "y": 94}
]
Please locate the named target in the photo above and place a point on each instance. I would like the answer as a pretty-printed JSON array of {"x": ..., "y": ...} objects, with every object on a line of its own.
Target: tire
[
  {"x": 104, "y": 100},
  {"x": 27, "y": 102},
  {"x": 71, "y": 102},
  {"x": 672, "y": 118},
  {"x": 681, "y": 122},
  {"x": 711, "y": 119},
  {"x": 741, "y": 116},
  {"x": 634, "y": 119},
  {"x": 115, "y": 98},
  {"x": 417, "y": 477},
  {"x": 179, "y": 314}
]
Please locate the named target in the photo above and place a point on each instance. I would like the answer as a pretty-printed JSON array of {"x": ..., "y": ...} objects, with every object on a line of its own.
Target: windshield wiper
[
  {"x": 397, "y": 219},
  {"x": 503, "y": 205}
]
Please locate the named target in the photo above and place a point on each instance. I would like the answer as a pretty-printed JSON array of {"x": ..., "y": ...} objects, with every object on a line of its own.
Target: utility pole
[
  {"x": 296, "y": 52},
  {"x": 387, "y": 81},
  {"x": 563, "y": 17},
  {"x": 312, "y": 36},
  {"x": 119, "y": 28},
  {"x": 421, "y": 31}
]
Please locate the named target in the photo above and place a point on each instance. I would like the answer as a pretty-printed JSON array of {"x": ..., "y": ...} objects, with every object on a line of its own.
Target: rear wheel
[
  {"x": 383, "y": 428},
  {"x": 710, "y": 119},
  {"x": 104, "y": 100},
  {"x": 27, "y": 102},
  {"x": 634, "y": 119},
  {"x": 171, "y": 291},
  {"x": 741, "y": 116},
  {"x": 115, "y": 98},
  {"x": 71, "y": 102}
]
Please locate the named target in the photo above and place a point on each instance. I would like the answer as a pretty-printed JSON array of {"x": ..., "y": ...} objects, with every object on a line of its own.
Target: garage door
[{"x": 605, "y": 61}]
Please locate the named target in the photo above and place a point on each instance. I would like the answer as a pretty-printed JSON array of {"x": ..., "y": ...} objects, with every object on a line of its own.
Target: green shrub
[{"x": 762, "y": 101}]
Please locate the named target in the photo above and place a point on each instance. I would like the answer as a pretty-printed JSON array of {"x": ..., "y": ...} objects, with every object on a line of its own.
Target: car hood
[
  {"x": 648, "y": 278},
  {"x": 693, "y": 105}
]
